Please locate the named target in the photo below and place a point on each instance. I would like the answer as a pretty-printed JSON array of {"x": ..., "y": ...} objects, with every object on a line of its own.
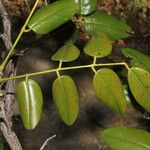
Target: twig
[
  {"x": 9, "y": 135},
  {"x": 6, "y": 101},
  {"x": 6, "y": 36},
  {"x": 10, "y": 90},
  {"x": 45, "y": 143},
  {"x": 7, "y": 98}
]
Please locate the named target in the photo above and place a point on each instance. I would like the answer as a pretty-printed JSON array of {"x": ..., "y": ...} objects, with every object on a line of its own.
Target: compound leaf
[
  {"x": 139, "y": 60},
  {"x": 52, "y": 16},
  {"x": 139, "y": 82},
  {"x": 123, "y": 138},
  {"x": 86, "y": 7},
  {"x": 30, "y": 101},
  {"x": 109, "y": 89},
  {"x": 66, "y": 99},
  {"x": 98, "y": 46},
  {"x": 102, "y": 22},
  {"x": 67, "y": 53}
]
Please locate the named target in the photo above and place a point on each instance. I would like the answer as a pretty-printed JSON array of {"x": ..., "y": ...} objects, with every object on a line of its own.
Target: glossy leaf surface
[
  {"x": 123, "y": 138},
  {"x": 139, "y": 82},
  {"x": 98, "y": 46},
  {"x": 109, "y": 90},
  {"x": 66, "y": 99},
  {"x": 102, "y": 22},
  {"x": 30, "y": 101},
  {"x": 139, "y": 60},
  {"x": 67, "y": 53},
  {"x": 52, "y": 16},
  {"x": 86, "y": 7}
]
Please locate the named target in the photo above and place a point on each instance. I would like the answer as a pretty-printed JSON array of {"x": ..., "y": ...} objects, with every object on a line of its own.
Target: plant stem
[
  {"x": 65, "y": 68},
  {"x": 59, "y": 67},
  {"x": 4, "y": 63},
  {"x": 93, "y": 68}
]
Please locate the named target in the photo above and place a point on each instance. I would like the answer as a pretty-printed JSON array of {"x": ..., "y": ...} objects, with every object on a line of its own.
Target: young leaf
[
  {"x": 98, "y": 46},
  {"x": 139, "y": 60},
  {"x": 123, "y": 138},
  {"x": 139, "y": 82},
  {"x": 102, "y": 22},
  {"x": 67, "y": 53},
  {"x": 52, "y": 16},
  {"x": 30, "y": 101},
  {"x": 86, "y": 7},
  {"x": 109, "y": 90},
  {"x": 66, "y": 99}
]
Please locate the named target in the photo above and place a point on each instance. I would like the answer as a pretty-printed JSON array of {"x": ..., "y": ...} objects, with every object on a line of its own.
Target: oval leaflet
[
  {"x": 66, "y": 99},
  {"x": 139, "y": 82},
  {"x": 98, "y": 46},
  {"x": 52, "y": 16},
  {"x": 30, "y": 102},
  {"x": 109, "y": 90},
  {"x": 102, "y": 22},
  {"x": 123, "y": 138},
  {"x": 67, "y": 53}
]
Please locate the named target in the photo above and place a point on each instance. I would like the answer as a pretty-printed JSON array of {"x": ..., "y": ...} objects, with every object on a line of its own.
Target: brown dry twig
[
  {"x": 47, "y": 140},
  {"x": 6, "y": 36},
  {"x": 7, "y": 98}
]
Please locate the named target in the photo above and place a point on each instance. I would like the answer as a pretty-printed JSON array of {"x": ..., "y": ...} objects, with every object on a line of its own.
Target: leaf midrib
[
  {"x": 106, "y": 85},
  {"x": 47, "y": 16},
  {"x": 64, "y": 54},
  {"x": 140, "y": 83},
  {"x": 29, "y": 103},
  {"x": 65, "y": 97},
  {"x": 100, "y": 23}
]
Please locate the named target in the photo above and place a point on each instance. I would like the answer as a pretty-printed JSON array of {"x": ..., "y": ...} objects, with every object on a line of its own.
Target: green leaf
[
  {"x": 139, "y": 60},
  {"x": 30, "y": 101},
  {"x": 109, "y": 90},
  {"x": 66, "y": 99},
  {"x": 67, "y": 53},
  {"x": 52, "y": 16},
  {"x": 139, "y": 82},
  {"x": 102, "y": 22},
  {"x": 123, "y": 138},
  {"x": 86, "y": 7},
  {"x": 98, "y": 46}
]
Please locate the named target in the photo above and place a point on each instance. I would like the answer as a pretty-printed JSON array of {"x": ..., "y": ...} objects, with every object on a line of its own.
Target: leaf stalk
[{"x": 64, "y": 69}]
